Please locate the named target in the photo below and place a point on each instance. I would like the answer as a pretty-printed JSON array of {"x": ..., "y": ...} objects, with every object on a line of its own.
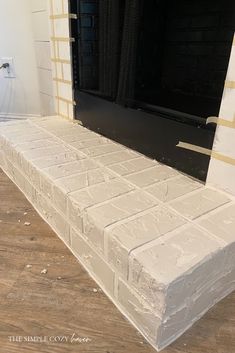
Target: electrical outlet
[{"x": 10, "y": 71}]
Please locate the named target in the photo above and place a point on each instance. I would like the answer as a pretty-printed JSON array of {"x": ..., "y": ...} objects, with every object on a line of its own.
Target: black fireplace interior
[{"x": 164, "y": 60}]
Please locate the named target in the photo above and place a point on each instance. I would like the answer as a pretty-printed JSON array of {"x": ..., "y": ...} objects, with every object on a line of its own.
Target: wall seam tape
[
  {"x": 62, "y": 39},
  {"x": 229, "y": 84},
  {"x": 63, "y": 61},
  {"x": 62, "y": 81},
  {"x": 220, "y": 121},
  {"x": 66, "y": 100},
  {"x": 206, "y": 151},
  {"x": 64, "y": 16}
]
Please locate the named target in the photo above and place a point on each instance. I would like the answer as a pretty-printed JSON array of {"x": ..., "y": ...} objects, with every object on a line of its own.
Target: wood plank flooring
[{"x": 65, "y": 302}]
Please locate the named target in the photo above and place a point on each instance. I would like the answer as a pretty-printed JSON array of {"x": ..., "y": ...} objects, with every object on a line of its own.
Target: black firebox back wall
[
  {"x": 183, "y": 54},
  {"x": 161, "y": 52}
]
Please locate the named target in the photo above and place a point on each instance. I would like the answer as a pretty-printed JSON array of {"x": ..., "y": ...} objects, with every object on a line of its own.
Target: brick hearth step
[{"x": 161, "y": 245}]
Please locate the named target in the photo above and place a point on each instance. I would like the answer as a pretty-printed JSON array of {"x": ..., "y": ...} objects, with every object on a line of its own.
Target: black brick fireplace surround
[{"x": 148, "y": 73}]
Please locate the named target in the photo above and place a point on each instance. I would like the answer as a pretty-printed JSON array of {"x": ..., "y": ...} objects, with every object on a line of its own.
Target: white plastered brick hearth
[{"x": 160, "y": 244}]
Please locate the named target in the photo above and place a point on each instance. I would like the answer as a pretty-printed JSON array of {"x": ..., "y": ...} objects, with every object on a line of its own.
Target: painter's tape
[
  {"x": 208, "y": 152},
  {"x": 62, "y": 39},
  {"x": 222, "y": 158},
  {"x": 62, "y": 61},
  {"x": 229, "y": 84},
  {"x": 65, "y": 100},
  {"x": 220, "y": 121},
  {"x": 64, "y": 15},
  {"x": 62, "y": 81},
  {"x": 195, "y": 148}
]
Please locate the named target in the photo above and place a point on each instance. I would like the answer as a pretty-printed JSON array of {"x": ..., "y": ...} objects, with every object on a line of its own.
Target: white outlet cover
[{"x": 9, "y": 72}]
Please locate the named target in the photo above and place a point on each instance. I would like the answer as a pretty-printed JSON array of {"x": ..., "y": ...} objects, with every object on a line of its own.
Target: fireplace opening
[{"x": 143, "y": 69}]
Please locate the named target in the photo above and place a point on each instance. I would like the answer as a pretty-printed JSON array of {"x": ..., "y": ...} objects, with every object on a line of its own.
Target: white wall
[
  {"x": 18, "y": 95},
  {"x": 42, "y": 45}
]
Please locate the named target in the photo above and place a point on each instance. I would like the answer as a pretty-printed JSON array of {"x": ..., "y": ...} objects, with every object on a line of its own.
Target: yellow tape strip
[
  {"x": 66, "y": 100},
  {"x": 195, "y": 148},
  {"x": 62, "y": 81},
  {"x": 222, "y": 158},
  {"x": 220, "y": 121},
  {"x": 229, "y": 84},
  {"x": 64, "y": 15},
  {"x": 62, "y": 69},
  {"x": 62, "y": 39},
  {"x": 63, "y": 61},
  {"x": 208, "y": 152}
]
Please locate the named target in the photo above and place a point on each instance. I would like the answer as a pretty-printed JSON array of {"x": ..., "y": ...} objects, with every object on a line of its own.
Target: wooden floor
[{"x": 65, "y": 302}]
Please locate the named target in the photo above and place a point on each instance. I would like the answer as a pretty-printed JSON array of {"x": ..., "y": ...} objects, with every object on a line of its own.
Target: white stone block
[
  {"x": 57, "y": 7},
  {"x": 30, "y": 145},
  {"x": 173, "y": 188},
  {"x": 52, "y": 217},
  {"x": 138, "y": 311},
  {"x": 45, "y": 152},
  {"x": 152, "y": 175},
  {"x": 80, "y": 200},
  {"x": 133, "y": 166},
  {"x": 92, "y": 261},
  {"x": 62, "y": 28},
  {"x": 117, "y": 157},
  {"x": 75, "y": 135},
  {"x": 22, "y": 131},
  {"x": 57, "y": 159},
  {"x": 67, "y": 72},
  {"x": 79, "y": 137},
  {"x": 63, "y": 186},
  {"x": 212, "y": 293},
  {"x": 103, "y": 149},
  {"x": 123, "y": 238},
  {"x": 198, "y": 203},
  {"x": 64, "y": 50},
  {"x": 162, "y": 266},
  {"x": 221, "y": 223},
  {"x": 35, "y": 136},
  {"x": 89, "y": 142},
  {"x": 68, "y": 169},
  {"x": 98, "y": 218},
  {"x": 65, "y": 91}
]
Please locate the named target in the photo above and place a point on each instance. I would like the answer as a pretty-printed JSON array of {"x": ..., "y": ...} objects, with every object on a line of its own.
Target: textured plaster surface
[{"x": 160, "y": 244}]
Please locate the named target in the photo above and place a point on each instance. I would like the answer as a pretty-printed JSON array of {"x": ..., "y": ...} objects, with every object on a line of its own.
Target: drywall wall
[
  {"x": 42, "y": 45},
  {"x": 222, "y": 166},
  {"x": 19, "y": 95}
]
